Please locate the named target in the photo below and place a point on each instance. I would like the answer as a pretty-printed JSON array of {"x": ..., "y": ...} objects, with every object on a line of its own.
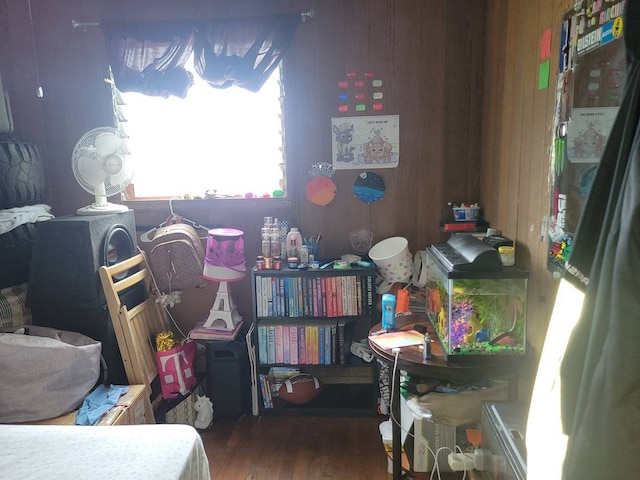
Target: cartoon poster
[
  {"x": 587, "y": 133},
  {"x": 365, "y": 142}
]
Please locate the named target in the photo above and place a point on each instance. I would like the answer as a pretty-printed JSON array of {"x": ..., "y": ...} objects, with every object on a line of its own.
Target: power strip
[{"x": 460, "y": 461}]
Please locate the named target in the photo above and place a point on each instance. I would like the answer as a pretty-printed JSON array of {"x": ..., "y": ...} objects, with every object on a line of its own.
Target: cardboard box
[
  {"x": 128, "y": 410},
  {"x": 428, "y": 437},
  {"x": 434, "y": 436}
]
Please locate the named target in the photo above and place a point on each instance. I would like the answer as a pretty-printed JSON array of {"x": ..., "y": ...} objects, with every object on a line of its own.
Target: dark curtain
[
  {"x": 600, "y": 371},
  {"x": 149, "y": 57},
  {"x": 242, "y": 52}
]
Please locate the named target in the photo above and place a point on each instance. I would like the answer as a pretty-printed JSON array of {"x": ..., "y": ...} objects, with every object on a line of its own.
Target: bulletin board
[{"x": 589, "y": 90}]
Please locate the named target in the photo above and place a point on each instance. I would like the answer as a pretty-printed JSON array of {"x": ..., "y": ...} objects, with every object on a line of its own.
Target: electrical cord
[{"x": 436, "y": 467}]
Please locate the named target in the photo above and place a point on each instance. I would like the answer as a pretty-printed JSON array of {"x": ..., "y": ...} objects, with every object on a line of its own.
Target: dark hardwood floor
[{"x": 297, "y": 448}]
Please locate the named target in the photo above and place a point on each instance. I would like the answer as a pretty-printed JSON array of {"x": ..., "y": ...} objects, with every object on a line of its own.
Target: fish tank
[{"x": 475, "y": 311}]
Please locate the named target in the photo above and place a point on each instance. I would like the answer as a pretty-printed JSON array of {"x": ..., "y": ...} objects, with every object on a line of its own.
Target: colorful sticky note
[
  {"x": 545, "y": 44},
  {"x": 543, "y": 75}
]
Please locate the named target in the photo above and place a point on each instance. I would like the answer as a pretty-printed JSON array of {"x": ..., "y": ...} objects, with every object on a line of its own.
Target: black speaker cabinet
[
  {"x": 68, "y": 252},
  {"x": 94, "y": 322},
  {"x": 228, "y": 377}
]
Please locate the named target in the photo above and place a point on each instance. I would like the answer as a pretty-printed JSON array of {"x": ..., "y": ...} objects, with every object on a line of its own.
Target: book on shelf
[
  {"x": 286, "y": 344},
  {"x": 278, "y": 375},
  {"x": 279, "y": 344},
  {"x": 265, "y": 388},
  {"x": 200, "y": 332},
  {"x": 344, "y": 336},
  {"x": 293, "y": 344}
]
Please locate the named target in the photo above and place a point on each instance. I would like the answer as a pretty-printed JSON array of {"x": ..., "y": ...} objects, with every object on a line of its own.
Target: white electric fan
[{"x": 102, "y": 166}]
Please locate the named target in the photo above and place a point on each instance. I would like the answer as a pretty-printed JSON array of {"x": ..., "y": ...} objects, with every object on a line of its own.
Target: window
[{"x": 215, "y": 142}]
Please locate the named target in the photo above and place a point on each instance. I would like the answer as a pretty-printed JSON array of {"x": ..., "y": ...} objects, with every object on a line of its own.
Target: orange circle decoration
[{"x": 321, "y": 190}]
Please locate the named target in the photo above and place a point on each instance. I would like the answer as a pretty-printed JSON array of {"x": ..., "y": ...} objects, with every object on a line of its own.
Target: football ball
[{"x": 300, "y": 389}]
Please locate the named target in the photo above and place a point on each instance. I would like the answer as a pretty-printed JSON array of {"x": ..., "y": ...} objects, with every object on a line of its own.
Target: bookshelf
[{"x": 305, "y": 321}]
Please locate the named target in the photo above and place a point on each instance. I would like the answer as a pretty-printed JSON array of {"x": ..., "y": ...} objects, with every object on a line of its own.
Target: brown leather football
[{"x": 300, "y": 389}]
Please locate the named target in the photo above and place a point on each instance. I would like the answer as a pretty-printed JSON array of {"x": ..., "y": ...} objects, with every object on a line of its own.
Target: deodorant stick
[{"x": 388, "y": 311}]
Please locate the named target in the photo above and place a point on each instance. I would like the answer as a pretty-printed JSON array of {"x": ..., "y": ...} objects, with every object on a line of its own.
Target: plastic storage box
[
  {"x": 477, "y": 312},
  {"x": 466, "y": 214}
]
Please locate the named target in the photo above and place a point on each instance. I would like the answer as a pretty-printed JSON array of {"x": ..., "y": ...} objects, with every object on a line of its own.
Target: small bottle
[
  {"x": 426, "y": 347},
  {"x": 294, "y": 242},
  {"x": 388, "y": 311},
  {"x": 274, "y": 236},
  {"x": 266, "y": 242},
  {"x": 304, "y": 254}
]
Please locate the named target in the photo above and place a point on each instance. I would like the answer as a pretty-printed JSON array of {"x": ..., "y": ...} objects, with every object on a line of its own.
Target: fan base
[{"x": 95, "y": 209}]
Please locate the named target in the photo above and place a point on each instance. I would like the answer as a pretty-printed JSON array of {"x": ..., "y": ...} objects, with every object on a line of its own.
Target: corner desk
[{"x": 463, "y": 369}]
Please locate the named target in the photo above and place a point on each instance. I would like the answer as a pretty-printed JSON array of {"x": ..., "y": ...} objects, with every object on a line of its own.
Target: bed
[{"x": 140, "y": 452}]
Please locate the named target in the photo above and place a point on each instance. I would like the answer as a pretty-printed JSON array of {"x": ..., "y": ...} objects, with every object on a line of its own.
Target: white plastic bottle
[{"x": 294, "y": 242}]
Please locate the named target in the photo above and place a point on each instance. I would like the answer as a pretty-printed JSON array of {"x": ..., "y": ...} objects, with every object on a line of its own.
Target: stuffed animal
[{"x": 204, "y": 409}]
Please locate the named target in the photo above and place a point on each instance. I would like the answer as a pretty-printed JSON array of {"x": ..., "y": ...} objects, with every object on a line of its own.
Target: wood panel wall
[
  {"x": 516, "y": 140},
  {"x": 462, "y": 76}
]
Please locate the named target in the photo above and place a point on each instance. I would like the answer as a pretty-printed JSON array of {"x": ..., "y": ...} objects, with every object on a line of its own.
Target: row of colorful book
[
  {"x": 314, "y": 296},
  {"x": 321, "y": 342}
]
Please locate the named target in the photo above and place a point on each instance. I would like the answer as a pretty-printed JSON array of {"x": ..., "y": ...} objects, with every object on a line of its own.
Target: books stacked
[
  {"x": 321, "y": 342},
  {"x": 200, "y": 332}
]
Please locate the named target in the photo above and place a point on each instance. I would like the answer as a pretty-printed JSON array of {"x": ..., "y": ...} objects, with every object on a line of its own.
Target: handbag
[{"x": 176, "y": 258}]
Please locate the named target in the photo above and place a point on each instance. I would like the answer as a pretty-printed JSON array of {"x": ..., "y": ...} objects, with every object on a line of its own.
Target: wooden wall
[
  {"x": 461, "y": 74},
  {"x": 516, "y": 139}
]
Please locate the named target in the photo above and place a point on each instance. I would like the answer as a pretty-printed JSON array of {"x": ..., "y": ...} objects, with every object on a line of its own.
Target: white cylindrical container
[
  {"x": 393, "y": 259},
  {"x": 507, "y": 255}
]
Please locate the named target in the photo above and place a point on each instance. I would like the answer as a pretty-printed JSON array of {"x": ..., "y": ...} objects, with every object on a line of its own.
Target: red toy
[{"x": 300, "y": 389}]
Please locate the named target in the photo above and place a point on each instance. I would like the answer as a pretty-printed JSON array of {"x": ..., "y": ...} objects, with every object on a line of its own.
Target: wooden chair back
[{"x": 135, "y": 328}]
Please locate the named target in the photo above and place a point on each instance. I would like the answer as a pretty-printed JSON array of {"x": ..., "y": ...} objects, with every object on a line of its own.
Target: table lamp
[{"x": 224, "y": 262}]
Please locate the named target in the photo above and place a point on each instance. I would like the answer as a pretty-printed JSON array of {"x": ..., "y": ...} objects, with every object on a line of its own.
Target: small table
[{"x": 463, "y": 369}]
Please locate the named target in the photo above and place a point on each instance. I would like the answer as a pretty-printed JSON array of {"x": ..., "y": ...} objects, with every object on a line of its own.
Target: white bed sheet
[{"x": 140, "y": 452}]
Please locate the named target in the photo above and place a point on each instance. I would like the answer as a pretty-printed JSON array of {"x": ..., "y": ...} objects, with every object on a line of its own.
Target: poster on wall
[
  {"x": 365, "y": 142},
  {"x": 589, "y": 90},
  {"x": 587, "y": 133}
]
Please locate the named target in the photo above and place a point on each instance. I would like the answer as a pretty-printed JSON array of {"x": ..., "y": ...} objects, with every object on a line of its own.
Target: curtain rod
[{"x": 76, "y": 24}]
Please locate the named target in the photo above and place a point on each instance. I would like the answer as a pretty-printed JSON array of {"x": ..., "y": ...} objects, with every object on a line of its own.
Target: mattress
[{"x": 140, "y": 452}]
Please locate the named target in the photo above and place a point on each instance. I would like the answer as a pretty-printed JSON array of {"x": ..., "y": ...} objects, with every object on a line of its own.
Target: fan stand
[
  {"x": 223, "y": 309},
  {"x": 95, "y": 209},
  {"x": 102, "y": 207}
]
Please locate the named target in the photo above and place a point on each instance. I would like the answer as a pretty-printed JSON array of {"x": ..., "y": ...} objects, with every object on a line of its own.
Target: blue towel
[{"x": 99, "y": 402}]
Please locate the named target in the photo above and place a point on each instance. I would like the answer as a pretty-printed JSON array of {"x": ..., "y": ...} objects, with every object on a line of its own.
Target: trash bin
[{"x": 228, "y": 380}]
